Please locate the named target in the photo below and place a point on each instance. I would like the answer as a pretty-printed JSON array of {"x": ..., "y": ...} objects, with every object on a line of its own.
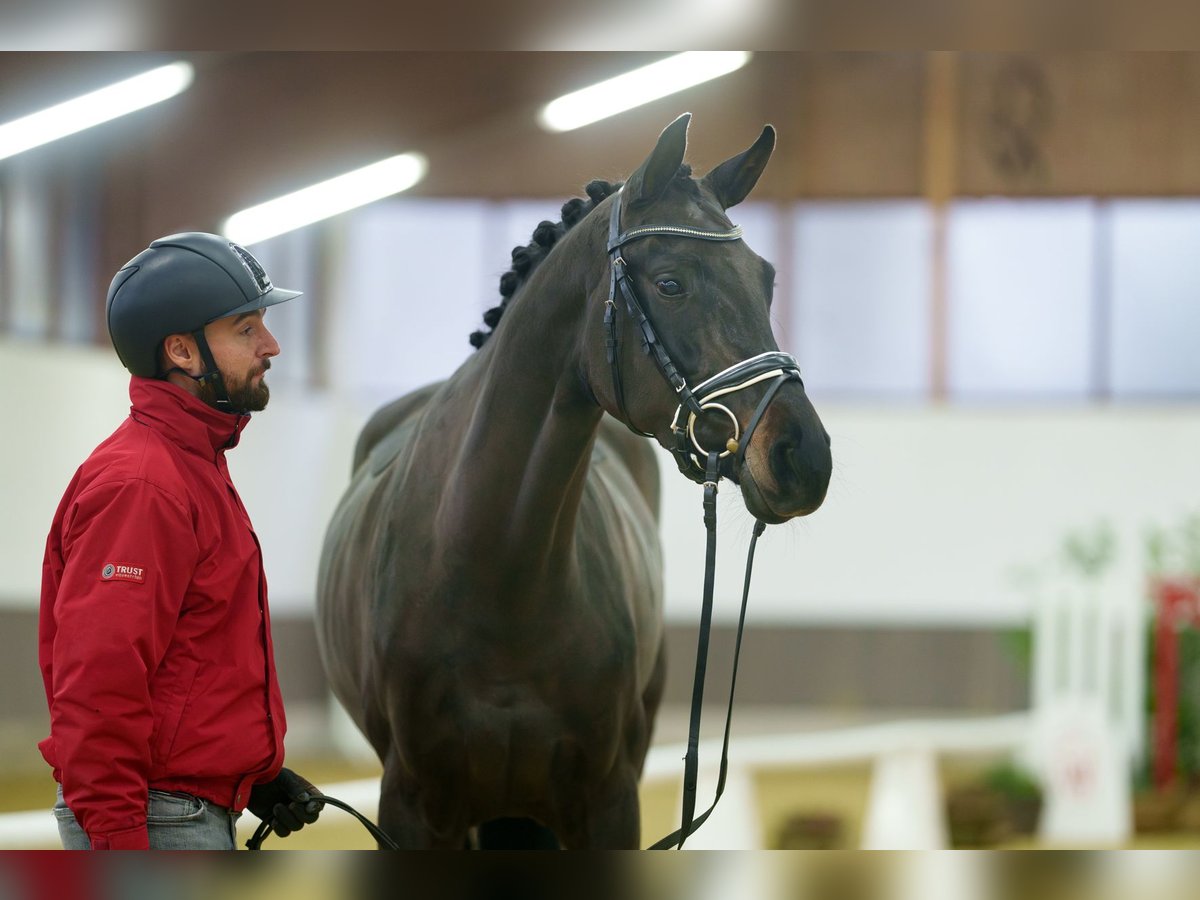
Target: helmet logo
[{"x": 257, "y": 272}]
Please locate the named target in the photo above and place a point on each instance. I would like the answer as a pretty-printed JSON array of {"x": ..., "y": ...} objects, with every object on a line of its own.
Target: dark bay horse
[{"x": 490, "y": 590}]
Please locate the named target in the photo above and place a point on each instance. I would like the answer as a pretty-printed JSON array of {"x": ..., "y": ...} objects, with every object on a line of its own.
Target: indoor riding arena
[{"x": 913, "y": 332}]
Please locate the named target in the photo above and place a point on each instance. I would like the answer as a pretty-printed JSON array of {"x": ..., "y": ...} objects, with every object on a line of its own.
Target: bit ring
[{"x": 732, "y": 418}]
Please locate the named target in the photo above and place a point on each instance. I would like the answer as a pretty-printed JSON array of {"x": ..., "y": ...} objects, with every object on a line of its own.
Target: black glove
[{"x": 288, "y": 802}]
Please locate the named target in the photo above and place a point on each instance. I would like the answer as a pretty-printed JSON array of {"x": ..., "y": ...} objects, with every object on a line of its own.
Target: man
[{"x": 166, "y": 719}]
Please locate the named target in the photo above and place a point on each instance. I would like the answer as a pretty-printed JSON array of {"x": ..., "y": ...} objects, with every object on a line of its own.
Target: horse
[{"x": 490, "y": 586}]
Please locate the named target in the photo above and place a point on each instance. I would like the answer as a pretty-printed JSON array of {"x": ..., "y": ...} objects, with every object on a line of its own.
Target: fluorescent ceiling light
[
  {"x": 94, "y": 108},
  {"x": 667, "y": 76},
  {"x": 320, "y": 201},
  {"x": 641, "y": 26}
]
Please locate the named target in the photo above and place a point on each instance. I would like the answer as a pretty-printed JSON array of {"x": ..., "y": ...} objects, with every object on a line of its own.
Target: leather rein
[{"x": 698, "y": 463}]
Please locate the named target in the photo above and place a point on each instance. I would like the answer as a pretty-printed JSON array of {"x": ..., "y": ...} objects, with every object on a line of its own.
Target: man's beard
[{"x": 244, "y": 395}]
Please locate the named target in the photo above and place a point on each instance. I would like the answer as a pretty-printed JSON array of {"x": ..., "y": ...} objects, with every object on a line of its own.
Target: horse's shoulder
[
  {"x": 388, "y": 418},
  {"x": 638, "y": 456}
]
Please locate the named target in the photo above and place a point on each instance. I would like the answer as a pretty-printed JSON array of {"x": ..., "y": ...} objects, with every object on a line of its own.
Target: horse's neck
[{"x": 517, "y": 485}]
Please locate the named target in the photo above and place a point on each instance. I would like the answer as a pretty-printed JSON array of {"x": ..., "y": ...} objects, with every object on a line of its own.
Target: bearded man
[{"x": 166, "y": 719}]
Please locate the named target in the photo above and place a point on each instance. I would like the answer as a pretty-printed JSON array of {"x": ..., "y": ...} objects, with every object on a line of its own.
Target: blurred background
[{"x": 988, "y": 271}]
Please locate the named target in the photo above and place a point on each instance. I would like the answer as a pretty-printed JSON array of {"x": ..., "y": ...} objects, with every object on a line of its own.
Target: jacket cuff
[{"x": 130, "y": 839}]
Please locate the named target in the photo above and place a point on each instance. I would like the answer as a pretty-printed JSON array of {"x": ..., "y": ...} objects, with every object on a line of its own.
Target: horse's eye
[{"x": 669, "y": 287}]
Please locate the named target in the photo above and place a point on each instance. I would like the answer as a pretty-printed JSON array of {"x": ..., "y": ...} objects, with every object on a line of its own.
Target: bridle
[
  {"x": 697, "y": 462},
  {"x": 690, "y": 456}
]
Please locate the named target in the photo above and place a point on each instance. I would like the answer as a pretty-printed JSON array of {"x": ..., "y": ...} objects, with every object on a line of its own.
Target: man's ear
[{"x": 179, "y": 351}]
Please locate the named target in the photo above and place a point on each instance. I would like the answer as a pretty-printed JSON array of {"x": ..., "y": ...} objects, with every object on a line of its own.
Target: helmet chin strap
[{"x": 211, "y": 374}]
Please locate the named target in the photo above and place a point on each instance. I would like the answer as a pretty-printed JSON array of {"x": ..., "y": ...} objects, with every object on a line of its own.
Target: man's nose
[{"x": 272, "y": 346}]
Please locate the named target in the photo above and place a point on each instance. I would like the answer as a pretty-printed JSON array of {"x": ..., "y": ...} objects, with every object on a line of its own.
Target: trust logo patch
[{"x": 121, "y": 572}]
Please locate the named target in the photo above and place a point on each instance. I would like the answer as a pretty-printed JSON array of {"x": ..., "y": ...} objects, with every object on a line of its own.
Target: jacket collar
[{"x": 183, "y": 418}]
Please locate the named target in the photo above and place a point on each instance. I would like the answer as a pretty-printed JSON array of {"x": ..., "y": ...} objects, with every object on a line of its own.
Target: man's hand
[{"x": 288, "y": 802}]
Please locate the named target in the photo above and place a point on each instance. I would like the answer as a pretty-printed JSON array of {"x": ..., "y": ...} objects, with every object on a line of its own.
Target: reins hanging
[
  {"x": 776, "y": 366},
  {"x": 689, "y": 821},
  {"x": 265, "y": 828}
]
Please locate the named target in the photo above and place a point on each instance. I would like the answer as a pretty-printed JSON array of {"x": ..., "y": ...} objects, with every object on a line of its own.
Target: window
[
  {"x": 860, "y": 316},
  {"x": 1155, "y": 298},
  {"x": 1021, "y": 299},
  {"x": 408, "y": 294}
]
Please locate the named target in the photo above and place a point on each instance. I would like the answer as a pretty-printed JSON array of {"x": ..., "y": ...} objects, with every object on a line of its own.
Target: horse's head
[{"x": 680, "y": 274}]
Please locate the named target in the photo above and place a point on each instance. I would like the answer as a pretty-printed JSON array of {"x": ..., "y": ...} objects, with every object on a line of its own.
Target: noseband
[
  {"x": 693, "y": 459},
  {"x": 698, "y": 463}
]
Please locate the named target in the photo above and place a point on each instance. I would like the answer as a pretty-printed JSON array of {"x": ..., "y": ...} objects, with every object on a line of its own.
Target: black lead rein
[
  {"x": 265, "y": 828},
  {"x": 691, "y": 765}
]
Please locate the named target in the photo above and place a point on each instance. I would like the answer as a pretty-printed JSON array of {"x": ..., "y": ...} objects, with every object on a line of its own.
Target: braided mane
[{"x": 527, "y": 258}]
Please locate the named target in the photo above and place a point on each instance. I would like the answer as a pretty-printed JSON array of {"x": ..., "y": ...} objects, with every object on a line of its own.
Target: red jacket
[{"x": 155, "y": 639}]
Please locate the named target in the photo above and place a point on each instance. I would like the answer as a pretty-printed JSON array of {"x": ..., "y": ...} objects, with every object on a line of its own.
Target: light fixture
[
  {"x": 93, "y": 108},
  {"x": 581, "y": 27},
  {"x": 328, "y": 198},
  {"x": 659, "y": 79}
]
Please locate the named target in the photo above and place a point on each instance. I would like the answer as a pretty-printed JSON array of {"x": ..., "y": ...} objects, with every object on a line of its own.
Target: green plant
[
  {"x": 1189, "y": 704},
  {"x": 1020, "y": 793},
  {"x": 1090, "y": 551},
  {"x": 1011, "y": 780},
  {"x": 1085, "y": 553},
  {"x": 1002, "y": 802},
  {"x": 1175, "y": 551}
]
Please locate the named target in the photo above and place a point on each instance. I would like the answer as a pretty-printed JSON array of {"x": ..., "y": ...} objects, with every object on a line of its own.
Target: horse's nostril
[
  {"x": 795, "y": 464},
  {"x": 784, "y": 459}
]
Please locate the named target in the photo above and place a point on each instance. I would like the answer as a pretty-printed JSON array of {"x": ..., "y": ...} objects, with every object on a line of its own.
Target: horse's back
[
  {"x": 382, "y": 437},
  {"x": 385, "y": 421}
]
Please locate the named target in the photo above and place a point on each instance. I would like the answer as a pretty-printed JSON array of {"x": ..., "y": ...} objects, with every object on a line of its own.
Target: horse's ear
[
  {"x": 659, "y": 168},
  {"x": 733, "y": 179}
]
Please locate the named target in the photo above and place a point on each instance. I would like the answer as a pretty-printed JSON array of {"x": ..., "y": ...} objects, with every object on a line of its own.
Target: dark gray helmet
[{"x": 177, "y": 286}]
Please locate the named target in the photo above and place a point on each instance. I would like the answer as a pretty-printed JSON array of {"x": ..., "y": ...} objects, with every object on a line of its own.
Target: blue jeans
[{"x": 174, "y": 822}]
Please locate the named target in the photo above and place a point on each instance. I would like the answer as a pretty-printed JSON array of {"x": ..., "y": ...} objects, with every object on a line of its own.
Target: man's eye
[{"x": 669, "y": 287}]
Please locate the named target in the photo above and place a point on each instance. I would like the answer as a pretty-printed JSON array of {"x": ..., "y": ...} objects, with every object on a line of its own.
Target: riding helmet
[{"x": 178, "y": 285}]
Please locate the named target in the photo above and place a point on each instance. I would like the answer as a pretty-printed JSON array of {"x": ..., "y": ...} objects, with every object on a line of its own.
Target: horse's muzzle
[{"x": 788, "y": 464}]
